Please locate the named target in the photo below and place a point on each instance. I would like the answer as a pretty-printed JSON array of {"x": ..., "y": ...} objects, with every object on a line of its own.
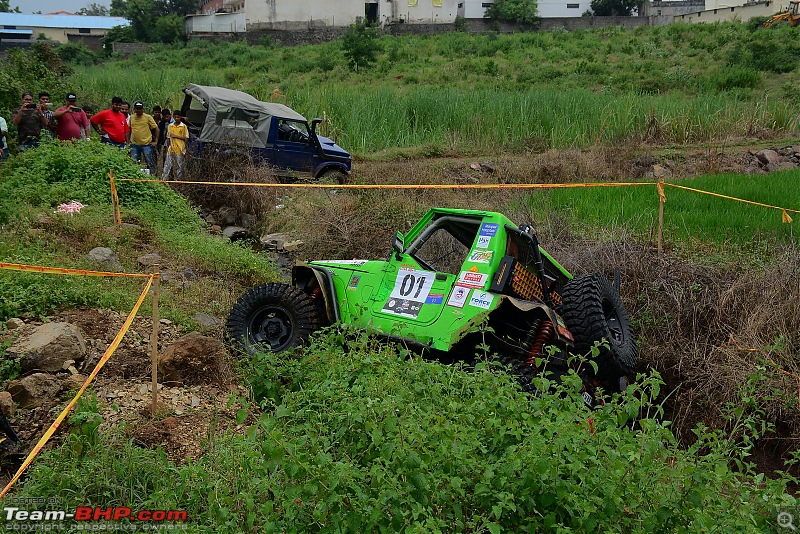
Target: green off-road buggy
[{"x": 454, "y": 274}]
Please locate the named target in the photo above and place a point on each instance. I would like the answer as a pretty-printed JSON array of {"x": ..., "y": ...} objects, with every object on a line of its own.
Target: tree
[
  {"x": 360, "y": 45},
  {"x": 94, "y": 9},
  {"x": 5, "y": 7},
  {"x": 614, "y": 8},
  {"x": 155, "y": 20},
  {"x": 524, "y": 11}
]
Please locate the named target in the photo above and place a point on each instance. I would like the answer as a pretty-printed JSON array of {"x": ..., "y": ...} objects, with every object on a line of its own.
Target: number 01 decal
[{"x": 413, "y": 285}]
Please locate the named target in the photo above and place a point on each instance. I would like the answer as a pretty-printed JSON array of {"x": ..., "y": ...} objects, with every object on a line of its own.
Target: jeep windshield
[{"x": 444, "y": 245}]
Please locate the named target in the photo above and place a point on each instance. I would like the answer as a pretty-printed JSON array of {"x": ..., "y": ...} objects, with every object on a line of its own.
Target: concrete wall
[
  {"x": 563, "y": 8},
  {"x": 296, "y": 15},
  {"x": 474, "y": 9},
  {"x": 216, "y": 23},
  {"x": 741, "y": 13},
  {"x": 422, "y": 12},
  {"x": 670, "y": 8}
]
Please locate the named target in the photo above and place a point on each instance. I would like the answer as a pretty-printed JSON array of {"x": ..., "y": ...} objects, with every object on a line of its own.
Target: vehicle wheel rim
[
  {"x": 272, "y": 327},
  {"x": 614, "y": 324}
]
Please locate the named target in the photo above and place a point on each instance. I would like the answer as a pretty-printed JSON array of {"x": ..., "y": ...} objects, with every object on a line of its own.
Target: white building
[
  {"x": 294, "y": 14},
  {"x": 474, "y": 9}
]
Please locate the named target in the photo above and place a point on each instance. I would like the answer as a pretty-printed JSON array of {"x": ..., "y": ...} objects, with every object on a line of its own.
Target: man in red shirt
[
  {"x": 112, "y": 125},
  {"x": 72, "y": 120}
]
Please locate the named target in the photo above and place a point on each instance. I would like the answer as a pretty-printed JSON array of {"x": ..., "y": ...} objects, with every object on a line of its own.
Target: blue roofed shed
[{"x": 22, "y": 27}]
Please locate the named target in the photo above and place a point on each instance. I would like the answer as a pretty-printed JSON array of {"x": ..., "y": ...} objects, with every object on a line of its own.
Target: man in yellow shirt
[
  {"x": 143, "y": 136},
  {"x": 177, "y": 135}
]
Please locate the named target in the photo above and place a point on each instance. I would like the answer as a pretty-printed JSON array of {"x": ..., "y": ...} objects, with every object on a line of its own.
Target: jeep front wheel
[
  {"x": 593, "y": 311},
  {"x": 334, "y": 176},
  {"x": 271, "y": 317}
]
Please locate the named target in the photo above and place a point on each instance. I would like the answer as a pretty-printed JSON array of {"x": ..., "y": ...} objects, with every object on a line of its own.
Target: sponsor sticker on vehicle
[
  {"x": 481, "y": 256},
  {"x": 344, "y": 262},
  {"x": 354, "y": 282},
  {"x": 403, "y": 307},
  {"x": 483, "y": 241},
  {"x": 489, "y": 229},
  {"x": 481, "y": 299},
  {"x": 458, "y": 297},
  {"x": 472, "y": 279},
  {"x": 411, "y": 289},
  {"x": 435, "y": 298}
]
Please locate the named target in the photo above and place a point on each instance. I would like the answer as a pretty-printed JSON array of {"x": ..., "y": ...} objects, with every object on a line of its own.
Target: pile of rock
[{"x": 773, "y": 159}]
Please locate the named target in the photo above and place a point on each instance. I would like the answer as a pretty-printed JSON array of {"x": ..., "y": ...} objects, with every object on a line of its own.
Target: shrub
[
  {"x": 735, "y": 78},
  {"x": 360, "y": 45}
]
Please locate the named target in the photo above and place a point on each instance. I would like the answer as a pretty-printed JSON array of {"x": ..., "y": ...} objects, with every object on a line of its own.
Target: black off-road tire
[
  {"x": 334, "y": 176},
  {"x": 593, "y": 311},
  {"x": 271, "y": 317}
]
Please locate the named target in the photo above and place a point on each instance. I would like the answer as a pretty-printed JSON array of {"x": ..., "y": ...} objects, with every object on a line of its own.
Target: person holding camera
[
  {"x": 72, "y": 120},
  {"x": 29, "y": 119}
]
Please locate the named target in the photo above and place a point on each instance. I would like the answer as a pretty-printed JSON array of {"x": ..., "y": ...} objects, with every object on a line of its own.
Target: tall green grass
[{"x": 479, "y": 93}]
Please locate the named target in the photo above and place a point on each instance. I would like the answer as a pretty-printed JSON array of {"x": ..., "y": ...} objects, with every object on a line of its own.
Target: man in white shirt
[{"x": 3, "y": 142}]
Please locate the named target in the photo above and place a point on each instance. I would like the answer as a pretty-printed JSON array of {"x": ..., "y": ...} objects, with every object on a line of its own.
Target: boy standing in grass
[{"x": 177, "y": 135}]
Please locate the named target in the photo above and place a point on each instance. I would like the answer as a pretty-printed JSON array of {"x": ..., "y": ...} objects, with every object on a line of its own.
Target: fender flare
[{"x": 302, "y": 276}]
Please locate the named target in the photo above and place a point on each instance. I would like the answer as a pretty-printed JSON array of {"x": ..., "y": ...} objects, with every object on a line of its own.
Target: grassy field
[
  {"x": 477, "y": 94},
  {"x": 689, "y": 216}
]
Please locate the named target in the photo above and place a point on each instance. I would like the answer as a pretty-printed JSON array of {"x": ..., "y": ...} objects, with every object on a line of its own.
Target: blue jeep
[{"x": 232, "y": 122}]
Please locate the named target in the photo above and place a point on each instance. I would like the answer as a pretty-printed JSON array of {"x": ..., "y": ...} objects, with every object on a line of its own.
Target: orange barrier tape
[
  {"x": 784, "y": 211},
  {"x": 109, "y": 351},
  {"x": 403, "y": 186},
  {"x": 661, "y": 196},
  {"x": 58, "y": 270}
]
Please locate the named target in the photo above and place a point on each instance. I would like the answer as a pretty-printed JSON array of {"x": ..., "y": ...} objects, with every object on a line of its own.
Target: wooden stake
[
  {"x": 154, "y": 342},
  {"x": 115, "y": 199}
]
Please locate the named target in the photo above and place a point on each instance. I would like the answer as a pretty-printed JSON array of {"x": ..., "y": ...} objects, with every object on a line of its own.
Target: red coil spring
[
  {"x": 316, "y": 293},
  {"x": 546, "y": 331}
]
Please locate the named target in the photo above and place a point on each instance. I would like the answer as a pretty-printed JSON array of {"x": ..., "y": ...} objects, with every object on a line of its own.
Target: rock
[
  {"x": 14, "y": 323},
  {"x": 767, "y": 156},
  {"x": 754, "y": 169},
  {"x": 105, "y": 256},
  {"x": 248, "y": 221},
  {"x": 193, "y": 359},
  {"x": 48, "y": 347},
  {"x": 148, "y": 260},
  {"x": 130, "y": 226},
  {"x": 67, "y": 364},
  {"x": 234, "y": 232},
  {"x": 73, "y": 381},
  {"x": 166, "y": 322},
  {"x": 786, "y": 151},
  {"x": 771, "y": 167},
  {"x": 293, "y": 246},
  {"x": 786, "y": 166},
  {"x": 215, "y": 229},
  {"x": 488, "y": 166},
  {"x": 659, "y": 172},
  {"x": 189, "y": 274},
  {"x": 206, "y": 321},
  {"x": 274, "y": 241},
  {"x": 475, "y": 166},
  {"x": 195, "y": 402},
  {"x": 210, "y": 220},
  {"x": 227, "y": 215},
  {"x": 34, "y": 390},
  {"x": 7, "y": 404}
]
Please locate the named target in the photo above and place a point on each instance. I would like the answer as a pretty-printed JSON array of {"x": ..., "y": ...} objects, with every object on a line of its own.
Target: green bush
[
  {"x": 374, "y": 440},
  {"x": 736, "y": 78}
]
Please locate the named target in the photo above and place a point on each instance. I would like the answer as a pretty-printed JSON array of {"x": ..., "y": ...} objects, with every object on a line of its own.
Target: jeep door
[
  {"x": 294, "y": 146},
  {"x": 418, "y": 284}
]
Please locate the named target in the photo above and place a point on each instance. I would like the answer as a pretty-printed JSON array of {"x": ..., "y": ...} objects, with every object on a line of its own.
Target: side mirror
[
  {"x": 314, "y": 123},
  {"x": 398, "y": 245}
]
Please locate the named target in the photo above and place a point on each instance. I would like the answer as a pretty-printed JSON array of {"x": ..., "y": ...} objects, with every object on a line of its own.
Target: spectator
[
  {"x": 29, "y": 120},
  {"x": 157, "y": 113},
  {"x": 89, "y": 111},
  {"x": 44, "y": 101},
  {"x": 177, "y": 135},
  {"x": 144, "y": 136},
  {"x": 166, "y": 120},
  {"x": 125, "y": 108},
  {"x": 3, "y": 141},
  {"x": 112, "y": 125},
  {"x": 72, "y": 121}
]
